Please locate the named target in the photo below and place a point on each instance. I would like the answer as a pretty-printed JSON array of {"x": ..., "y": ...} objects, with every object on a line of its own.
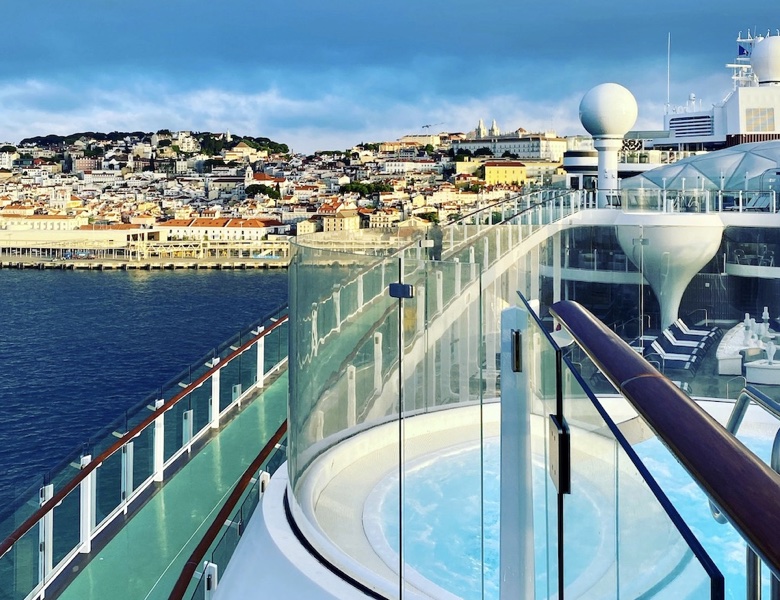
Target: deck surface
[{"x": 146, "y": 556}]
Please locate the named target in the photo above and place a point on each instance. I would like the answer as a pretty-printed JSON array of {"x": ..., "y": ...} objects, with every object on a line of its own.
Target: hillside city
[{"x": 165, "y": 193}]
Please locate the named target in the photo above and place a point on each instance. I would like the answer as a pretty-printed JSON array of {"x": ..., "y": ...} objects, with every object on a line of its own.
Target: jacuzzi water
[{"x": 444, "y": 517}]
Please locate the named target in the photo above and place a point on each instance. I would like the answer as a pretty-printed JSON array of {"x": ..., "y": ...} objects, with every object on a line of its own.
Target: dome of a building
[
  {"x": 608, "y": 110},
  {"x": 765, "y": 60}
]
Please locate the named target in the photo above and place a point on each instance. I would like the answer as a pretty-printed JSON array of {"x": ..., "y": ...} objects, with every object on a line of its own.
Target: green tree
[
  {"x": 429, "y": 148},
  {"x": 8, "y": 149},
  {"x": 462, "y": 154},
  {"x": 259, "y": 188},
  {"x": 365, "y": 189},
  {"x": 483, "y": 152}
]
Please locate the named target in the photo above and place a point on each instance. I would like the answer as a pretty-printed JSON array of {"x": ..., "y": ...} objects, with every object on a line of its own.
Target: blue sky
[{"x": 325, "y": 75}]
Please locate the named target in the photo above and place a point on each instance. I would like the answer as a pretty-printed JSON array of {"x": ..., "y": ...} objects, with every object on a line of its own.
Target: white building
[{"x": 542, "y": 146}]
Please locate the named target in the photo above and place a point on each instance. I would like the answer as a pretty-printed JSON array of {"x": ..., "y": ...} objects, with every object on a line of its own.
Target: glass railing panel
[
  {"x": 229, "y": 383},
  {"x": 540, "y": 364},
  {"x": 143, "y": 455},
  {"x": 275, "y": 346},
  {"x": 248, "y": 367},
  {"x": 25, "y": 505},
  {"x": 108, "y": 486},
  {"x": 65, "y": 523},
  {"x": 446, "y": 422},
  {"x": 721, "y": 541},
  {"x": 622, "y": 536},
  {"x": 174, "y": 428},
  {"x": 331, "y": 348},
  {"x": 200, "y": 404},
  {"x": 19, "y": 567}
]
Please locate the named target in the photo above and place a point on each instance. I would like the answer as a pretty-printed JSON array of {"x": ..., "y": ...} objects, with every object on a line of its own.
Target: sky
[{"x": 322, "y": 75}]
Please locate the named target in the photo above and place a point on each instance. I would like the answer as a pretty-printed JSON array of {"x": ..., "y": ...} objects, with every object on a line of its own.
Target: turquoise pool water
[{"x": 448, "y": 506}]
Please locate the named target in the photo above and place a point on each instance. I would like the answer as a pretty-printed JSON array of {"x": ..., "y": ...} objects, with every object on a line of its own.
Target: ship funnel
[{"x": 669, "y": 250}]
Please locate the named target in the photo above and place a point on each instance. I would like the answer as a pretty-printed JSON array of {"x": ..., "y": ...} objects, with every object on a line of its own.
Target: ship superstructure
[{"x": 746, "y": 114}]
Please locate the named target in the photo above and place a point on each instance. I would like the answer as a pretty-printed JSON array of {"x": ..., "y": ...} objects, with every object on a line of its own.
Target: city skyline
[{"x": 328, "y": 76}]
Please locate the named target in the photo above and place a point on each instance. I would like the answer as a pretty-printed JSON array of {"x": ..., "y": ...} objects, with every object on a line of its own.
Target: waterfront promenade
[{"x": 147, "y": 264}]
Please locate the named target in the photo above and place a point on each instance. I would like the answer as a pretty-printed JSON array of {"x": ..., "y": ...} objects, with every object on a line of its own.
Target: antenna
[{"x": 668, "y": 64}]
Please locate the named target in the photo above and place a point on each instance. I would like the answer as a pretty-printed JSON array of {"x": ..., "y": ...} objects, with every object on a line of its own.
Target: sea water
[{"x": 78, "y": 348}]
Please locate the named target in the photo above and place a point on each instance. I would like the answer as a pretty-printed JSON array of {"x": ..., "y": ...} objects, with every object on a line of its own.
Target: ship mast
[{"x": 741, "y": 71}]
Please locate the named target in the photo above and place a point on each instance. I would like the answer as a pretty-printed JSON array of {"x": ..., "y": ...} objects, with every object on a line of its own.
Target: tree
[
  {"x": 8, "y": 149},
  {"x": 483, "y": 152},
  {"x": 94, "y": 152},
  {"x": 462, "y": 154},
  {"x": 508, "y": 154},
  {"x": 259, "y": 188},
  {"x": 429, "y": 148},
  {"x": 365, "y": 189}
]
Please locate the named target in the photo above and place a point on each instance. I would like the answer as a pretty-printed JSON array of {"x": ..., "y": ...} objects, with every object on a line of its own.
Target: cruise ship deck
[{"x": 397, "y": 352}]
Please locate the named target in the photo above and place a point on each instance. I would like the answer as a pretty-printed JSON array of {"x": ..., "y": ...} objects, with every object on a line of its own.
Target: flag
[{"x": 743, "y": 51}]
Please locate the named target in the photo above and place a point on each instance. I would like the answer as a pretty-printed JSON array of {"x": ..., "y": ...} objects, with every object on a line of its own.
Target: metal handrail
[
  {"x": 194, "y": 561},
  {"x": 49, "y": 505},
  {"x": 750, "y": 394},
  {"x": 722, "y": 466}
]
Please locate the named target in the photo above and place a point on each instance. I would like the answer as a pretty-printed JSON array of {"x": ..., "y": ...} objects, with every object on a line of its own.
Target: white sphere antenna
[
  {"x": 765, "y": 60},
  {"x": 608, "y": 110}
]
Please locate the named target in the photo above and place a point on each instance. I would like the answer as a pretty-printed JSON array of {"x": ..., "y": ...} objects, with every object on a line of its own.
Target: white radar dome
[
  {"x": 765, "y": 60},
  {"x": 608, "y": 110}
]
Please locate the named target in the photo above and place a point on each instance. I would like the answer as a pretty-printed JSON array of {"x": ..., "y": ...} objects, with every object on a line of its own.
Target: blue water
[
  {"x": 452, "y": 532},
  {"x": 79, "y": 348}
]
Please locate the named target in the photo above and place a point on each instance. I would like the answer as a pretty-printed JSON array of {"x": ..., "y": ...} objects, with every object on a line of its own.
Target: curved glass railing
[
  {"x": 697, "y": 200},
  {"x": 404, "y": 355},
  {"x": 114, "y": 473},
  {"x": 385, "y": 343}
]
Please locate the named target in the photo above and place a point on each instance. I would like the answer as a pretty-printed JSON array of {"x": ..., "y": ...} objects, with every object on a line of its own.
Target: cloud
[{"x": 335, "y": 83}]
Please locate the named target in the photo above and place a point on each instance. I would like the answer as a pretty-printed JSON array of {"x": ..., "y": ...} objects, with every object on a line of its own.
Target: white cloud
[{"x": 340, "y": 112}]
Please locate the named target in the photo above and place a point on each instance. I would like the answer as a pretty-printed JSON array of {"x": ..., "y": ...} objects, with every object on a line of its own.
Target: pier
[{"x": 143, "y": 265}]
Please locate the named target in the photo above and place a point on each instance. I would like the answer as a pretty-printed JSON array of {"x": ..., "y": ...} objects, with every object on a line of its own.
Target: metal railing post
[
  {"x": 159, "y": 442},
  {"x": 215, "y": 392},
  {"x": 86, "y": 508},
  {"x": 261, "y": 361},
  {"x": 45, "y": 536},
  {"x": 127, "y": 472}
]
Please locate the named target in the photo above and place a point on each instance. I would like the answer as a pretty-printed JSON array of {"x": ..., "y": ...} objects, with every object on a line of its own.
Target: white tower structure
[
  {"x": 481, "y": 132},
  {"x": 608, "y": 111}
]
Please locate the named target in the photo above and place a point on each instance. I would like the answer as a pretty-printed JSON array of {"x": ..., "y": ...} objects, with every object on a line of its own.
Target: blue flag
[{"x": 743, "y": 51}]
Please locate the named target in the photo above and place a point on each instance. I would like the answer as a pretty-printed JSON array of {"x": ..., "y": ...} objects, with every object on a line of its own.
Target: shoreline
[{"x": 143, "y": 264}]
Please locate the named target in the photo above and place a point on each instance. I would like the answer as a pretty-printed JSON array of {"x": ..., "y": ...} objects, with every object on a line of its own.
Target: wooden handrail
[
  {"x": 49, "y": 505},
  {"x": 743, "y": 487},
  {"x": 193, "y": 562}
]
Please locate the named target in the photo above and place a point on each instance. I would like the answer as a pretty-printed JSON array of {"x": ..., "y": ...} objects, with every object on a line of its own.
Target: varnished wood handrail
[
  {"x": 744, "y": 488},
  {"x": 49, "y": 505},
  {"x": 194, "y": 561}
]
